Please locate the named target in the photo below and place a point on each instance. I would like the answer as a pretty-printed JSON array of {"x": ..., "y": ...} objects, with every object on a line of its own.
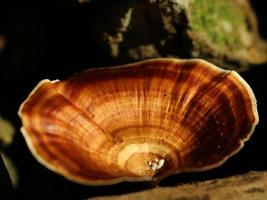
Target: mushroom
[{"x": 139, "y": 122}]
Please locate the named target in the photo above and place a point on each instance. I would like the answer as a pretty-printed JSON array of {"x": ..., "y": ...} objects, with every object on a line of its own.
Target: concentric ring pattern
[{"x": 142, "y": 121}]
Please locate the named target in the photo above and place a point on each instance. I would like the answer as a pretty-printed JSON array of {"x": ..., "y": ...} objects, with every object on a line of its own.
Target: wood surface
[{"x": 252, "y": 186}]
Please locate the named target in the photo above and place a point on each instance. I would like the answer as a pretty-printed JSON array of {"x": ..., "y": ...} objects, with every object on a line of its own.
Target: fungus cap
[{"x": 141, "y": 121}]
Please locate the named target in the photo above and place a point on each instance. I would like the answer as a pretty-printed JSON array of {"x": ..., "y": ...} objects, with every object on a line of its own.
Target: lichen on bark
[
  {"x": 220, "y": 20},
  {"x": 226, "y": 31}
]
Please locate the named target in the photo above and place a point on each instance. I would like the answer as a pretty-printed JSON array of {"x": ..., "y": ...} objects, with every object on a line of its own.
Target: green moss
[{"x": 220, "y": 20}]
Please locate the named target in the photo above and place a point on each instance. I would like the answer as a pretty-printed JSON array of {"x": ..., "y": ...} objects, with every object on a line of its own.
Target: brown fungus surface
[{"x": 142, "y": 121}]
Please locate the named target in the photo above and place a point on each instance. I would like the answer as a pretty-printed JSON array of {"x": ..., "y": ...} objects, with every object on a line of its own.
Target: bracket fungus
[{"x": 137, "y": 122}]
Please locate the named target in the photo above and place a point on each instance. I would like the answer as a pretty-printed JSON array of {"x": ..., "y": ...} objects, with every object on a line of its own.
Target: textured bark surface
[
  {"x": 251, "y": 186},
  {"x": 223, "y": 32}
]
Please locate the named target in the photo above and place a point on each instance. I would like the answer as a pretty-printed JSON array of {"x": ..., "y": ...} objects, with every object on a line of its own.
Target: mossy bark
[
  {"x": 251, "y": 186},
  {"x": 224, "y": 32}
]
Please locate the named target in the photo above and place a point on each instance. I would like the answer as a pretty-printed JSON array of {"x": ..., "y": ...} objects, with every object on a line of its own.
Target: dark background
[{"x": 52, "y": 39}]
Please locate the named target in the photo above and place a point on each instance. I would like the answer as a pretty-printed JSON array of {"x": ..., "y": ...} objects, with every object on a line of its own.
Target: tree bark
[
  {"x": 224, "y": 32},
  {"x": 251, "y": 186}
]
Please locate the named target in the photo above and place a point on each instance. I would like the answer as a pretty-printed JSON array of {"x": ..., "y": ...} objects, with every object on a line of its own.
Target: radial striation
[{"x": 142, "y": 121}]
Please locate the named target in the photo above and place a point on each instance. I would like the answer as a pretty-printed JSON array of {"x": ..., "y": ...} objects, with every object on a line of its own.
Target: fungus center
[
  {"x": 143, "y": 159},
  {"x": 155, "y": 165}
]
